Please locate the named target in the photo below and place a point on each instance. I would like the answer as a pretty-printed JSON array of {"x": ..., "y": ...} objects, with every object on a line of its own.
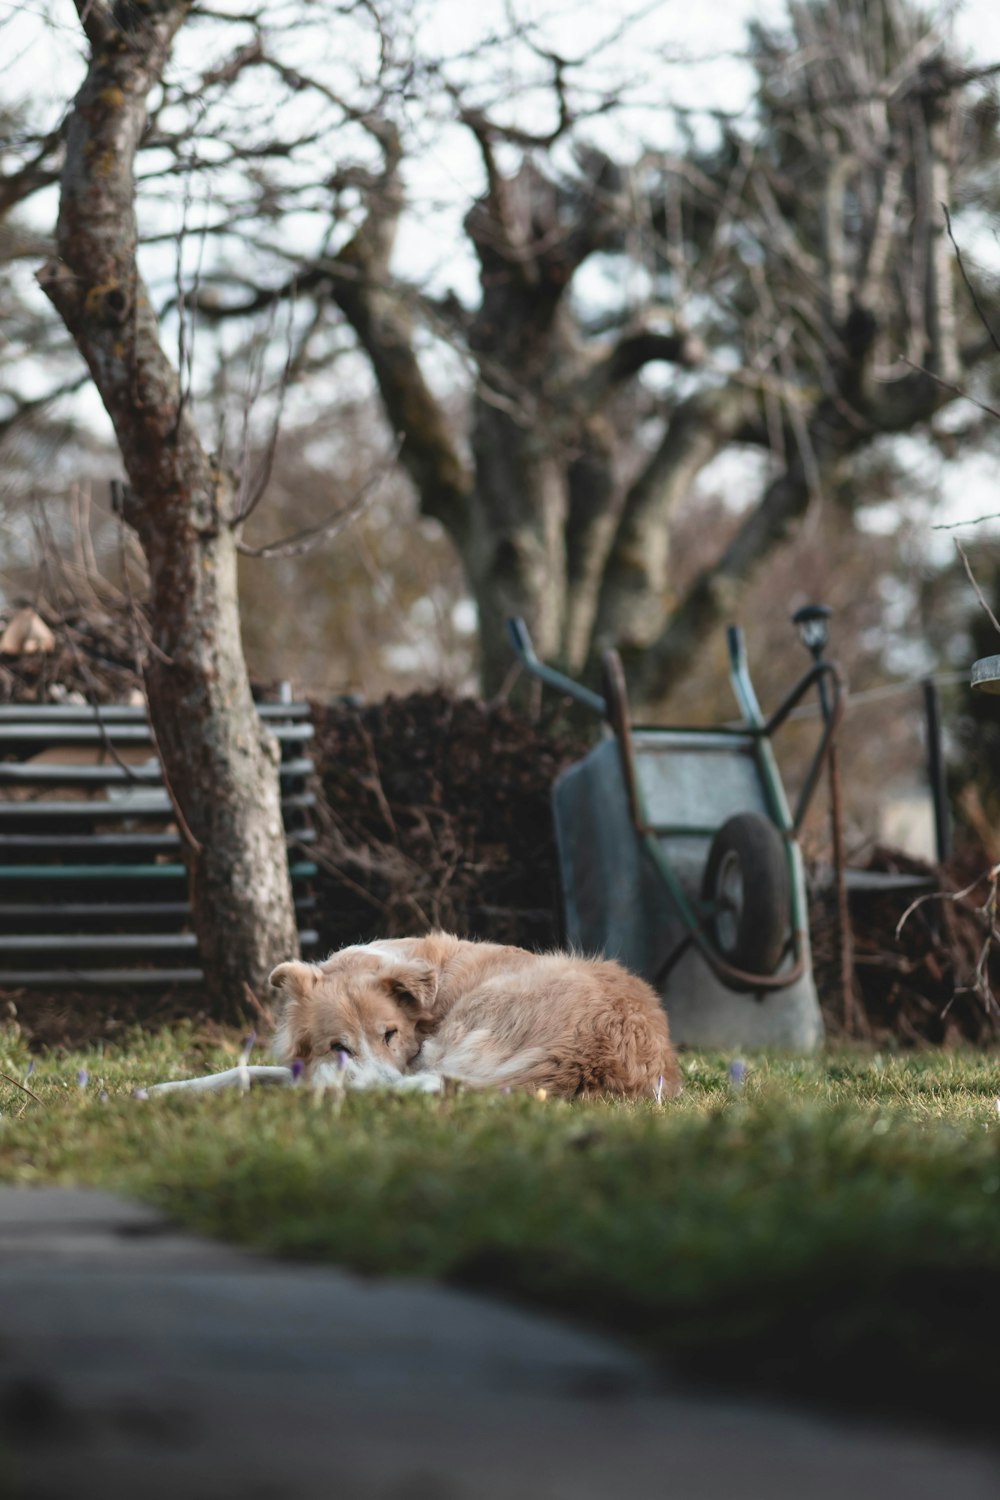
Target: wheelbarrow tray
[{"x": 617, "y": 902}]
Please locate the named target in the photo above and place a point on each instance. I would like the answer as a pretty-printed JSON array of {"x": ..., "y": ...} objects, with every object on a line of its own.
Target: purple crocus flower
[
  {"x": 737, "y": 1072},
  {"x": 341, "y": 1060},
  {"x": 296, "y": 1070},
  {"x": 82, "y": 1078},
  {"x": 658, "y": 1092}
]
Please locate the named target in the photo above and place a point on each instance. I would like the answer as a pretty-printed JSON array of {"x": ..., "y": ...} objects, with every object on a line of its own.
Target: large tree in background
[
  {"x": 800, "y": 298},
  {"x": 220, "y": 764},
  {"x": 786, "y": 289},
  {"x": 844, "y": 281}
]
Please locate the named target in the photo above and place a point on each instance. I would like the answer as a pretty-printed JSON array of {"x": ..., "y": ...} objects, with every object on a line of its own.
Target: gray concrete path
[{"x": 138, "y": 1361}]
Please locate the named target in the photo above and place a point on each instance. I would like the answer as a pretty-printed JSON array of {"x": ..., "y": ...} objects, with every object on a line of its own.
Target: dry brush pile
[
  {"x": 926, "y": 966},
  {"x": 79, "y": 655},
  {"x": 435, "y": 811}
]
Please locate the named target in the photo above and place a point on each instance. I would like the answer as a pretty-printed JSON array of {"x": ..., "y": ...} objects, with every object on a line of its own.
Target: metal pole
[
  {"x": 935, "y": 770},
  {"x": 845, "y": 938},
  {"x": 845, "y": 946}
]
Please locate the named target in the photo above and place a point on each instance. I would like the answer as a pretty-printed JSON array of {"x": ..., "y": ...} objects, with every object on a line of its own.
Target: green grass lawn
[{"x": 830, "y": 1228}]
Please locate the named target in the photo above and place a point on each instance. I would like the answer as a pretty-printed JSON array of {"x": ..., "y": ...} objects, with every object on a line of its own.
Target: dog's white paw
[{"x": 422, "y": 1083}]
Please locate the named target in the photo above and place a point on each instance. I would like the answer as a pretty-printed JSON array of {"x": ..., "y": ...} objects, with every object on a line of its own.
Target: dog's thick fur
[{"x": 480, "y": 1013}]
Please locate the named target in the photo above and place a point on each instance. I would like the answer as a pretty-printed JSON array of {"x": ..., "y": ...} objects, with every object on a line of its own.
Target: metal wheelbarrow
[{"x": 679, "y": 856}]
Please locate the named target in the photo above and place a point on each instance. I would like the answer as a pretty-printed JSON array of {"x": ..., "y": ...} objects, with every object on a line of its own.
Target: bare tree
[
  {"x": 845, "y": 281},
  {"x": 798, "y": 291},
  {"x": 220, "y": 764},
  {"x": 801, "y": 303}
]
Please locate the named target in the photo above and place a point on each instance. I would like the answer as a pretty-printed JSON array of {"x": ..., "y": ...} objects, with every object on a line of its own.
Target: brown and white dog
[{"x": 411, "y": 1012}]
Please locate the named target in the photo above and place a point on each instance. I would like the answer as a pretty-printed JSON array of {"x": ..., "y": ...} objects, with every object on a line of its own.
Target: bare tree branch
[
  {"x": 972, "y": 579},
  {"x": 630, "y": 608},
  {"x": 632, "y": 353},
  {"x": 965, "y": 277},
  {"x": 311, "y": 536}
]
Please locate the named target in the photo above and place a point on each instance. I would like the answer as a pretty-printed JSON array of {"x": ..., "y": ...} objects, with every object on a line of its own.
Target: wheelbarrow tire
[{"x": 746, "y": 882}]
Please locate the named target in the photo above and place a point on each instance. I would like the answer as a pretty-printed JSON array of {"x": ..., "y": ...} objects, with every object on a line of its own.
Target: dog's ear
[
  {"x": 414, "y": 984},
  {"x": 294, "y": 978}
]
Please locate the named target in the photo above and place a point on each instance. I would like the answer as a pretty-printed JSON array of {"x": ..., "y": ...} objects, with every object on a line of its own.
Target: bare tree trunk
[
  {"x": 594, "y": 505},
  {"x": 220, "y": 763},
  {"x": 713, "y": 599},
  {"x": 633, "y": 596},
  {"x": 515, "y": 560},
  {"x": 839, "y": 429}
]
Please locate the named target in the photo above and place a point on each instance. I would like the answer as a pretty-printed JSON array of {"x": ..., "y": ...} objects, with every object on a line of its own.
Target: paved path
[{"x": 136, "y": 1361}]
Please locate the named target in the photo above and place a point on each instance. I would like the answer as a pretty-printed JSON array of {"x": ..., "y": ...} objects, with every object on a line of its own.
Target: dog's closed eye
[
  {"x": 340, "y": 1047},
  {"x": 392, "y": 1031}
]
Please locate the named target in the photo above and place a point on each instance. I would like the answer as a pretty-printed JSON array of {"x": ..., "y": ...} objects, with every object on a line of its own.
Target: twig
[
  {"x": 980, "y": 977},
  {"x": 22, "y": 1086},
  {"x": 948, "y": 385},
  {"x": 993, "y": 515},
  {"x": 185, "y": 355},
  {"x": 972, "y": 579},
  {"x": 302, "y": 541},
  {"x": 375, "y": 780},
  {"x": 51, "y": 555},
  {"x": 965, "y": 277},
  {"x": 182, "y": 823},
  {"x": 955, "y": 896},
  {"x": 252, "y": 494},
  {"x": 264, "y": 1012}
]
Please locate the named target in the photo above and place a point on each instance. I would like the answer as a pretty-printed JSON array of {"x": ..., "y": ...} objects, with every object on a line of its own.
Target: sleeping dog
[
  {"x": 413, "y": 1012},
  {"x": 483, "y": 1014}
]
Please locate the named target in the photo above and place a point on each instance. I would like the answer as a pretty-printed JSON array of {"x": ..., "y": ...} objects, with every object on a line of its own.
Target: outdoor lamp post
[{"x": 813, "y": 624}]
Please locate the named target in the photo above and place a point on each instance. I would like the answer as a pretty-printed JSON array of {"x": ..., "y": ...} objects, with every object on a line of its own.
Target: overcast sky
[{"x": 676, "y": 52}]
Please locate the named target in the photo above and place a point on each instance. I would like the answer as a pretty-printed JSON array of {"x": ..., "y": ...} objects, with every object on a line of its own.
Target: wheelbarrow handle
[
  {"x": 739, "y": 676},
  {"x": 825, "y": 675},
  {"x": 520, "y": 640}
]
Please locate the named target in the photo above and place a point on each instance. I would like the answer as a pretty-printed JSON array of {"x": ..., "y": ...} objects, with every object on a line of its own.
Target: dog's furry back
[{"x": 570, "y": 1025}]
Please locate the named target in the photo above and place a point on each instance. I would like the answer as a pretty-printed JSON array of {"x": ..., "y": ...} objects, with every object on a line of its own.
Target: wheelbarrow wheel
[{"x": 746, "y": 884}]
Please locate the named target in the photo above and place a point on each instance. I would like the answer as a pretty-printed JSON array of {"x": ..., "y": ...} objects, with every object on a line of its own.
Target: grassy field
[{"x": 829, "y": 1228}]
